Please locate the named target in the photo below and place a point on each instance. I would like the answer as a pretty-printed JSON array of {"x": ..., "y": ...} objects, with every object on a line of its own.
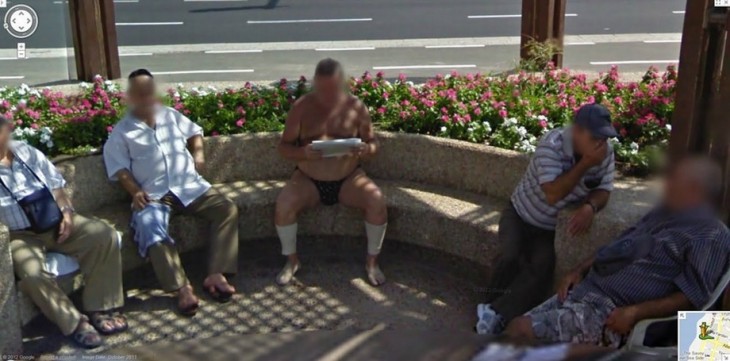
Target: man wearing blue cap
[{"x": 571, "y": 165}]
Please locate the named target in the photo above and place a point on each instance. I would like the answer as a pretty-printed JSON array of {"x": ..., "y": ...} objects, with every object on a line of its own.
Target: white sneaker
[{"x": 490, "y": 323}]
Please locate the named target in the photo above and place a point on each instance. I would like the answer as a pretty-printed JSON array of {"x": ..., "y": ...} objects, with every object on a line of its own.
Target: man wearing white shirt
[{"x": 156, "y": 153}]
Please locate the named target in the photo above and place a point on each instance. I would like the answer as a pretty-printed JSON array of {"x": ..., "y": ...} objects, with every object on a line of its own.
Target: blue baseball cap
[{"x": 597, "y": 119}]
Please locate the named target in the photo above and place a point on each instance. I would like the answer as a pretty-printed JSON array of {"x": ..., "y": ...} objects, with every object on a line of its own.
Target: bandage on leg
[
  {"x": 288, "y": 238},
  {"x": 375, "y": 235}
]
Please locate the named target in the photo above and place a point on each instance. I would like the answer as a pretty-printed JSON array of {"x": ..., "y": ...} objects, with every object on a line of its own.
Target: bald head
[
  {"x": 693, "y": 181},
  {"x": 142, "y": 93}
]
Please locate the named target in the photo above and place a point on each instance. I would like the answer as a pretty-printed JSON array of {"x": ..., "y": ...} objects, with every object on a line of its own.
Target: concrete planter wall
[{"x": 442, "y": 194}]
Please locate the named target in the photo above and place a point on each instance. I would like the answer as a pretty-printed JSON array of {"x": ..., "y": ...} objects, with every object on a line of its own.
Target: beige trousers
[
  {"x": 222, "y": 214},
  {"x": 94, "y": 244}
]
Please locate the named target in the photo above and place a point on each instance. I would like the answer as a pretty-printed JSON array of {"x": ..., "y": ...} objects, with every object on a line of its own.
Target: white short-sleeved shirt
[
  {"x": 157, "y": 157},
  {"x": 19, "y": 179},
  {"x": 553, "y": 157}
]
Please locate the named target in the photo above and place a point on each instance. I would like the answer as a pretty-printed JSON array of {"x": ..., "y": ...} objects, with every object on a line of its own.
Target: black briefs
[{"x": 329, "y": 191}]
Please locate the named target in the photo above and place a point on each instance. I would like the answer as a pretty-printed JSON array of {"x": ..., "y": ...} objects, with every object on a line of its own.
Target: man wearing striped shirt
[
  {"x": 671, "y": 260},
  {"x": 571, "y": 165}
]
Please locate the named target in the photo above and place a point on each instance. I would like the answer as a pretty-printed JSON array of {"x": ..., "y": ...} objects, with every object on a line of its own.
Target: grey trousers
[{"x": 523, "y": 275}]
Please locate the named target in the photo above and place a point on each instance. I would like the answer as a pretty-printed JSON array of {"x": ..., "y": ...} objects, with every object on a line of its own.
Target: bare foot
[
  {"x": 375, "y": 275},
  {"x": 187, "y": 302},
  {"x": 287, "y": 273}
]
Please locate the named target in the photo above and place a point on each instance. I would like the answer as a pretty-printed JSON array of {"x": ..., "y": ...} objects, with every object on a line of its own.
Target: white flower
[
  {"x": 97, "y": 77},
  {"x": 409, "y": 83},
  {"x": 509, "y": 122},
  {"x": 22, "y": 102},
  {"x": 487, "y": 127},
  {"x": 49, "y": 144},
  {"x": 22, "y": 91},
  {"x": 35, "y": 92},
  {"x": 522, "y": 131},
  {"x": 179, "y": 85},
  {"x": 84, "y": 85},
  {"x": 212, "y": 88},
  {"x": 542, "y": 117},
  {"x": 470, "y": 130},
  {"x": 176, "y": 94},
  {"x": 443, "y": 129},
  {"x": 613, "y": 141},
  {"x": 669, "y": 127},
  {"x": 634, "y": 148}
]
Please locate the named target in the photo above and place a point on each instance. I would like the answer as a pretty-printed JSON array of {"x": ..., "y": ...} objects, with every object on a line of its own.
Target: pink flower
[
  {"x": 386, "y": 95},
  {"x": 618, "y": 100},
  {"x": 503, "y": 113},
  {"x": 214, "y": 133},
  {"x": 543, "y": 123},
  {"x": 34, "y": 125},
  {"x": 381, "y": 110},
  {"x": 240, "y": 122},
  {"x": 109, "y": 129}
]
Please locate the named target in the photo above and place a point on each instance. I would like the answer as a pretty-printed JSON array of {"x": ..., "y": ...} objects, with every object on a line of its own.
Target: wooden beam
[
  {"x": 558, "y": 33},
  {"x": 95, "y": 38},
  {"x": 692, "y": 83}
]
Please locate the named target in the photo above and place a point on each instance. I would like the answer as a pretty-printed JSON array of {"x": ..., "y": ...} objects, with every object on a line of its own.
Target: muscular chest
[{"x": 329, "y": 125}]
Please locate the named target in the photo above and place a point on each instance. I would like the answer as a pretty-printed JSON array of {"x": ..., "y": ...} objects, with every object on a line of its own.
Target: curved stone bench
[{"x": 442, "y": 194}]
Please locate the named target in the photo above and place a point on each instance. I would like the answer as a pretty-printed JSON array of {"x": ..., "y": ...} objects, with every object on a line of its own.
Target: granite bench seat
[
  {"x": 443, "y": 194},
  {"x": 455, "y": 222}
]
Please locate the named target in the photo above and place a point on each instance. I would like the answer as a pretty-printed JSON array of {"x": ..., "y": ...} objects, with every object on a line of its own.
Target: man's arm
[
  {"x": 623, "y": 319},
  {"x": 566, "y": 182},
  {"x": 196, "y": 148},
  {"x": 140, "y": 199},
  {"x": 367, "y": 133},
  {"x": 288, "y": 145}
]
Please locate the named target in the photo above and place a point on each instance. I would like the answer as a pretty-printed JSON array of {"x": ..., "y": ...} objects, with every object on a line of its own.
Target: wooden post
[
  {"x": 543, "y": 21},
  {"x": 95, "y": 39}
]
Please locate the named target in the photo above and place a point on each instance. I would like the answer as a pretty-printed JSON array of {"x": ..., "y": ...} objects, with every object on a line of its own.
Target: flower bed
[{"x": 508, "y": 112}]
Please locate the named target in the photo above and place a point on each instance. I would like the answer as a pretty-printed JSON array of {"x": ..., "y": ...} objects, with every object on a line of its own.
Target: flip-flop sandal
[
  {"x": 106, "y": 317},
  {"x": 190, "y": 310},
  {"x": 218, "y": 295},
  {"x": 87, "y": 337}
]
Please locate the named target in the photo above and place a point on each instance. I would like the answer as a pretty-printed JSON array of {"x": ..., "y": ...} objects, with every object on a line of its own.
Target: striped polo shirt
[
  {"x": 553, "y": 157},
  {"x": 688, "y": 252}
]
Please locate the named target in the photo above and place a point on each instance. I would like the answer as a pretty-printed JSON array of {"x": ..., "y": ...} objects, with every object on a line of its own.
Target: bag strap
[{"x": 22, "y": 163}]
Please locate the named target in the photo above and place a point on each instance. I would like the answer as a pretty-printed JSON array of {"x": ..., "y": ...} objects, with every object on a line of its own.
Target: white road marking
[
  {"x": 345, "y": 49},
  {"x": 581, "y": 43},
  {"x": 152, "y": 23},
  {"x": 12, "y": 77},
  {"x": 678, "y": 12},
  {"x": 395, "y": 67},
  {"x": 228, "y": 71},
  {"x": 242, "y": 51},
  {"x": 308, "y": 21},
  {"x": 135, "y": 54},
  {"x": 454, "y": 46},
  {"x": 662, "y": 41},
  {"x": 624, "y": 62},
  {"x": 504, "y": 16},
  {"x": 10, "y": 58}
]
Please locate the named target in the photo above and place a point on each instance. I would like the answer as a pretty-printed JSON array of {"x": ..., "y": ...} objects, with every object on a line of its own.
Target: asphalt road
[
  {"x": 152, "y": 22},
  {"x": 198, "y": 40},
  {"x": 419, "y": 62}
]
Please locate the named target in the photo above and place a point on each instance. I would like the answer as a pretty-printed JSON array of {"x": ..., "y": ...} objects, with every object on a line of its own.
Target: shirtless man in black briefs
[{"x": 329, "y": 112}]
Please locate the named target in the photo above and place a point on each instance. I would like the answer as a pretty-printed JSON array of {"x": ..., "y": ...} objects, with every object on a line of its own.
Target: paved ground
[{"x": 427, "y": 290}]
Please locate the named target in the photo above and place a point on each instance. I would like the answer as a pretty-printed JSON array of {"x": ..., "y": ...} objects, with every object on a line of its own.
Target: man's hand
[
  {"x": 570, "y": 280},
  {"x": 622, "y": 320},
  {"x": 581, "y": 220},
  {"x": 596, "y": 154},
  {"x": 360, "y": 150},
  {"x": 312, "y": 154},
  {"x": 140, "y": 200},
  {"x": 66, "y": 227}
]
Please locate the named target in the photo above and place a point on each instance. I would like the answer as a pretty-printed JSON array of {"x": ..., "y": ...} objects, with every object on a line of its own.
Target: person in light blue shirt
[{"x": 156, "y": 153}]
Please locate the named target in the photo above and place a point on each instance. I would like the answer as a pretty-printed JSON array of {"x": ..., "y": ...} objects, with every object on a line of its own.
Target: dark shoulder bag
[{"x": 40, "y": 207}]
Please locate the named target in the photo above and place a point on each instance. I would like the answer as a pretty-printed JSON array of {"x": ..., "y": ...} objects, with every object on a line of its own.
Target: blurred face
[
  {"x": 142, "y": 96},
  {"x": 329, "y": 89},
  {"x": 682, "y": 190},
  {"x": 4, "y": 136},
  {"x": 583, "y": 140}
]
